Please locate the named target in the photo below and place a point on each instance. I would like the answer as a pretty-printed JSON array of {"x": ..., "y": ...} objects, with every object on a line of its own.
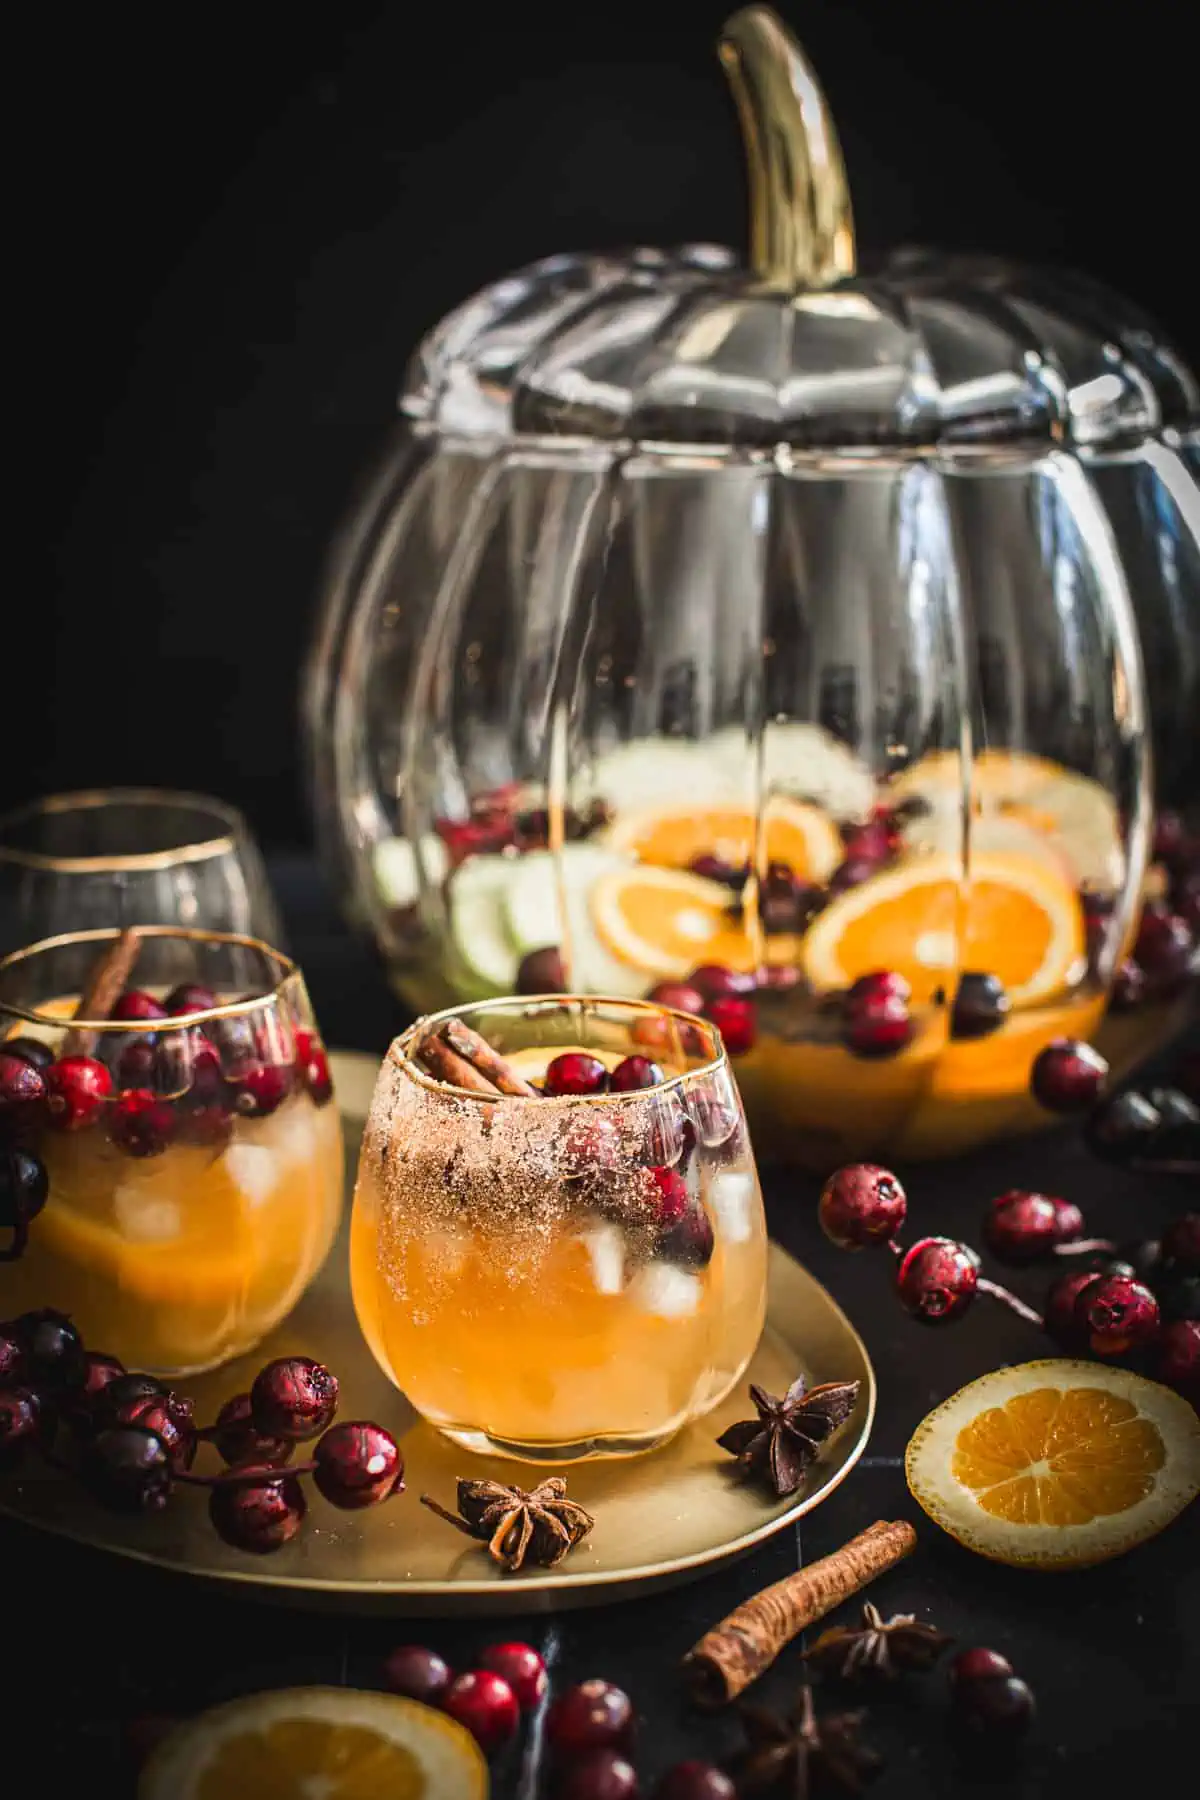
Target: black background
[{"x": 228, "y": 228}]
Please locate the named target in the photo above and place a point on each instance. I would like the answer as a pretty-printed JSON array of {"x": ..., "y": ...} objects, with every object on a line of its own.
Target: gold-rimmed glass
[
  {"x": 195, "y": 1177},
  {"x": 565, "y": 1277},
  {"x": 131, "y": 856}
]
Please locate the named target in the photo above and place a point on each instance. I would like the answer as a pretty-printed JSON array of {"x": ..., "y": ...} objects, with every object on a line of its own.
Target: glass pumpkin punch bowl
[{"x": 793, "y": 624}]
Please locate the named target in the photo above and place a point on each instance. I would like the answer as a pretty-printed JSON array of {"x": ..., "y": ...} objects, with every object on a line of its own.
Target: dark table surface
[{"x": 94, "y": 1646}]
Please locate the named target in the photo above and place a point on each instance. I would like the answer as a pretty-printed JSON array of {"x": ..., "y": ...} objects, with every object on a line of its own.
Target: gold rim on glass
[
  {"x": 224, "y": 843},
  {"x": 528, "y": 1005},
  {"x": 230, "y": 1009}
]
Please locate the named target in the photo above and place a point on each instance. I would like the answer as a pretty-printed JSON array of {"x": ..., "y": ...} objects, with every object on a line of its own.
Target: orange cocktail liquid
[
  {"x": 553, "y": 1327},
  {"x": 180, "y": 1261}
]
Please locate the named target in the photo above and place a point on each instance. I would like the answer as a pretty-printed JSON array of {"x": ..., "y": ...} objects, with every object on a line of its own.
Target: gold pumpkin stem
[{"x": 801, "y": 223}]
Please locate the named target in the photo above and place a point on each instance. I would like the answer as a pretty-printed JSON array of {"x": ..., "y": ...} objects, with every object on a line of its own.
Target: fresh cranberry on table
[
  {"x": 997, "y": 1707},
  {"x": 12, "y": 1357},
  {"x": 293, "y": 1397},
  {"x": 601, "y": 1775},
  {"x": 1059, "y": 1308},
  {"x": 190, "y": 997},
  {"x": 861, "y": 1205},
  {"x": 77, "y": 1087},
  {"x": 634, "y": 1073},
  {"x": 20, "y": 1424},
  {"x": 1068, "y": 1076},
  {"x": 523, "y": 1669},
  {"x": 1117, "y": 1313},
  {"x": 127, "y": 1468},
  {"x": 1178, "y": 1360},
  {"x": 937, "y": 1279},
  {"x": 1163, "y": 947},
  {"x": 575, "y": 1073},
  {"x": 170, "y": 1419},
  {"x": 141, "y": 1124},
  {"x": 24, "y": 1186},
  {"x": 1181, "y": 1242},
  {"x": 542, "y": 972},
  {"x": 358, "y": 1464},
  {"x": 52, "y": 1350},
  {"x": 100, "y": 1370},
  {"x": 694, "y": 1780},
  {"x": 135, "y": 1005},
  {"x": 417, "y": 1674},
  {"x": 238, "y": 1439},
  {"x": 734, "y": 1019},
  {"x": 259, "y": 1516},
  {"x": 594, "y": 1715},
  {"x": 1019, "y": 1227},
  {"x": 485, "y": 1704},
  {"x": 23, "y": 1096}
]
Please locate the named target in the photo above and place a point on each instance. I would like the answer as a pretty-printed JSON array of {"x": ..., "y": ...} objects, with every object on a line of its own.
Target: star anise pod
[
  {"x": 518, "y": 1527},
  {"x": 784, "y": 1439},
  {"x": 879, "y": 1646},
  {"x": 786, "y": 1757}
]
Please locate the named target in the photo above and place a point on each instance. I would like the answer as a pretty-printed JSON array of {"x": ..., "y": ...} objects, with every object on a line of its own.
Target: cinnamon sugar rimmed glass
[
  {"x": 557, "y": 1278},
  {"x": 196, "y": 1189}
]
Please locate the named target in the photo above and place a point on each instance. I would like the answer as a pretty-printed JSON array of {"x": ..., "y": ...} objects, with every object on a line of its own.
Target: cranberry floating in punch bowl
[{"x": 780, "y": 634}]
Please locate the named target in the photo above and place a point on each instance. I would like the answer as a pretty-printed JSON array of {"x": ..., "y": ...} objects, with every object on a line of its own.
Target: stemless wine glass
[
  {"x": 184, "y": 1141},
  {"x": 560, "y": 1277},
  {"x": 131, "y": 856}
]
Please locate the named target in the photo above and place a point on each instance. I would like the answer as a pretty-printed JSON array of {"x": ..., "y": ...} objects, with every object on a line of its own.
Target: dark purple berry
[
  {"x": 1068, "y": 1076},
  {"x": 862, "y": 1205},
  {"x": 981, "y": 1005},
  {"x": 936, "y": 1279}
]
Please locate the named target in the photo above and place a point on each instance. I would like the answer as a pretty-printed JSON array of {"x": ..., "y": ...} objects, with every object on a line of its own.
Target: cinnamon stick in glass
[
  {"x": 106, "y": 982},
  {"x": 736, "y": 1652},
  {"x": 479, "y": 1053}
]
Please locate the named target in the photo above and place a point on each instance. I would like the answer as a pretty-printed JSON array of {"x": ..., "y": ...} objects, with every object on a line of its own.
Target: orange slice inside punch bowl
[{"x": 672, "y": 837}]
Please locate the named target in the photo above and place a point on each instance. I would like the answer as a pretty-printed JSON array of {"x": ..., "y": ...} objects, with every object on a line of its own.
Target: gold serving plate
[{"x": 660, "y": 1518}]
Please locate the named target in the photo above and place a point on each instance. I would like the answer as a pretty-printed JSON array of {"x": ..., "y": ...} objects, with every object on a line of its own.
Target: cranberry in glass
[
  {"x": 1129, "y": 987},
  {"x": 689, "y": 1242},
  {"x": 358, "y": 1464},
  {"x": 52, "y": 1349},
  {"x": 210, "y": 1127},
  {"x": 877, "y": 1026},
  {"x": 1181, "y": 1242},
  {"x": 416, "y": 1674},
  {"x": 486, "y": 1705},
  {"x": 1068, "y": 1076},
  {"x": 734, "y": 1019},
  {"x": 981, "y": 1005},
  {"x": 293, "y": 1397},
  {"x": 1118, "y": 1314},
  {"x": 936, "y": 1279},
  {"x": 31, "y": 1050},
  {"x": 875, "y": 842},
  {"x": 877, "y": 985},
  {"x": 633, "y": 1073},
  {"x": 141, "y": 1124},
  {"x": 542, "y": 972},
  {"x": 77, "y": 1088},
  {"x": 715, "y": 982},
  {"x": 1163, "y": 947},
  {"x": 257, "y": 1515},
  {"x": 135, "y": 1005},
  {"x": 693, "y": 1780},
  {"x": 24, "y": 1186},
  {"x": 260, "y": 1088},
  {"x": 575, "y": 1072},
  {"x": 672, "y": 1198},
  {"x": 1178, "y": 1362},
  {"x": 852, "y": 873},
  {"x": 20, "y": 1424},
  {"x": 715, "y": 868},
  {"x": 1059, "y": 1310},
  {"x": 190, "y": 997},
  {"x": 861, "y": 1205},
  {"x": 1124, "y": 1128},
  {"x": 23, "y": 1096},
  {"x": 1019, "y": 1227},
  {"x": 522, "y": 1668},
  {"x": 238, "y": 1439},
  {"x": 127, "y": 1468},
  {"x": 679, "y": 996},
  {"x": 592, "y": 1716},
  {"x": 602, "y": 1775},
  {"x": 139, "y": 1063},
  {"x": 314, "y": 1072},
  {"x": 591, "y": 1145}
]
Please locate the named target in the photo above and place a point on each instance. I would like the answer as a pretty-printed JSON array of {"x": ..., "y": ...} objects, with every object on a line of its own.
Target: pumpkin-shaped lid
[{"x": 803, "y": 349}]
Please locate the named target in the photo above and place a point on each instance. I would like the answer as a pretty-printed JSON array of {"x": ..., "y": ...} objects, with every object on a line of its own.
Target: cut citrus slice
[
  {"x": 672, "y": 836},
  {"x": 665, "y": 922},
  {"x": 1020, "y": 920},
  {"x": 1056, "y": 1464},
  {"x": 340, "y": 1743}
]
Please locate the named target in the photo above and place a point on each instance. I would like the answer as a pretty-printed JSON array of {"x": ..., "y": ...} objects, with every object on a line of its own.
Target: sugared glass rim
[
  {"x": 286, "y": 969},
  {"x": 398, "y": 1049},
  {"x": 222, "y": 843}
]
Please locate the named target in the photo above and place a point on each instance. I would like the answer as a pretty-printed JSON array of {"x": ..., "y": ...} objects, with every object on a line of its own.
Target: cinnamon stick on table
[
  {"x": 106, "y": 982},
  {"x": 735, "y": 1652}
]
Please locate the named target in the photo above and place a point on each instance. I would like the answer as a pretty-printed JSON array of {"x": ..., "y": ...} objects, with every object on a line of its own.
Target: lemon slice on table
[
  {"x": 1023, "y": 924},
  {"x": 1056, "y": 1464},
  {"x": 317, "y": 1743}
]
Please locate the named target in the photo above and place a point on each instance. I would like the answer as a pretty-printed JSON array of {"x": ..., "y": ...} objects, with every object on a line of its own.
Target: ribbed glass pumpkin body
[{"x": 814, "y": 637}]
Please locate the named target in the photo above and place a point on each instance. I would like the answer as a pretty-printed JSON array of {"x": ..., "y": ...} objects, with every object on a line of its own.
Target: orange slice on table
[
  {"x": 1019, "y": 919},
  {"x": 340, "y": 1743},
  {"x": 665, "y": 922},
  {"x": 801, "y": 836},
  {"x": 1056, "y": 1464}
]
